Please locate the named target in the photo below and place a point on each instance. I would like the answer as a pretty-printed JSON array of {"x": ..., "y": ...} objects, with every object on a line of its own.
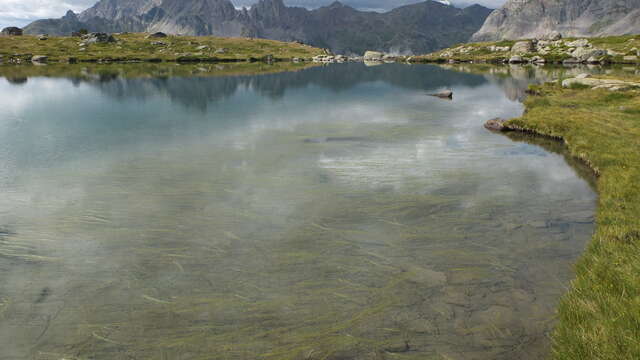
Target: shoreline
[{"x": 599, "y": 315}]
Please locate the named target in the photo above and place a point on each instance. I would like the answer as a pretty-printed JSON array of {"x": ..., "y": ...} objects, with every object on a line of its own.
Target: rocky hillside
[
  {"x": 519, "y": 19},
  {"x": 601, "y": 50},
  {"x": 418, "y": 28}
]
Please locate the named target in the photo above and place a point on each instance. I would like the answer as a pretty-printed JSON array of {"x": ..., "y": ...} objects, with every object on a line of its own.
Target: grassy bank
[
  {"x": 599, "y": 318},
  {"x": 618, "y": 48},
  {"x": 136, "y": 47}
]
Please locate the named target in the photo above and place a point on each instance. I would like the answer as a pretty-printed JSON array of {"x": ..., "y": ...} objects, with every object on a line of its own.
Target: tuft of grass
[
  {"x": 136, "y": 47},
  {"x": 599, "y": 318}
]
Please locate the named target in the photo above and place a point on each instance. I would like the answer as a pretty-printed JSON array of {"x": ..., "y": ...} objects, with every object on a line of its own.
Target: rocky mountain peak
[{"x": 536, "y": 18}]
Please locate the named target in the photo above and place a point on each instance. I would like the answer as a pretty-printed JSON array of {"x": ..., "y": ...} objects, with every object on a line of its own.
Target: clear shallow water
[{"x": 330, "y": 213}]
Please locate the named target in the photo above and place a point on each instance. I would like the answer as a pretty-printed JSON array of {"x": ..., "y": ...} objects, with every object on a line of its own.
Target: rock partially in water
[
  {"x": 373, "y": 56},
  {"x": 496, "y": 124},
  {"x": 39, "y": 59},
  {"x": 445, "y": 94}
]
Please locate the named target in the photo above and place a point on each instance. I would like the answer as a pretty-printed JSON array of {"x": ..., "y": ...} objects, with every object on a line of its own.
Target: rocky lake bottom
[{"x": 335, "y": 212}]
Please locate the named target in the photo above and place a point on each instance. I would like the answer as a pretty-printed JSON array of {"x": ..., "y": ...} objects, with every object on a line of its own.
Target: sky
[{"x": 22, "y": 12}]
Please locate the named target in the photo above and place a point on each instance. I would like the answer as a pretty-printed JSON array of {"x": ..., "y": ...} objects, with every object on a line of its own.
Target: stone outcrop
[{"x": 527, "y": 19}]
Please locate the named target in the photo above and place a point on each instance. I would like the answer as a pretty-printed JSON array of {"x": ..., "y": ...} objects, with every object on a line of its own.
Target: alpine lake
[{"x": 255, "y": 211}]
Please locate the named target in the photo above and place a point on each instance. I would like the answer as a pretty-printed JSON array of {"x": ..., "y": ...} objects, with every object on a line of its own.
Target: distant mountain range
[
  {"x": 519, "y": 19},
  {"x": 418, "y": 28}
]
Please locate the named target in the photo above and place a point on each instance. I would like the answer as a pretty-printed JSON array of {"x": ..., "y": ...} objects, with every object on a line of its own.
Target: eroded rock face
[{"x": 519, "y": 19}]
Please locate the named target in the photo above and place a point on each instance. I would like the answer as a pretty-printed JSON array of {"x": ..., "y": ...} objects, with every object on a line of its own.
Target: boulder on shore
[
  {"x": 522, "y": 47},
  {"x": 373, "y": 56},
  {"x": 12, "y": 31},
  {"x": 516, "y": 59},
  {"x": 496, "y": 124},
  {"x": 39, "y": 59}
]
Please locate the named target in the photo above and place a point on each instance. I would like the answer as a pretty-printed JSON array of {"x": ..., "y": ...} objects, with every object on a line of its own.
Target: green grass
[
  {"x": 136, "y": 47},
  {"x": 599, "y": 318}
]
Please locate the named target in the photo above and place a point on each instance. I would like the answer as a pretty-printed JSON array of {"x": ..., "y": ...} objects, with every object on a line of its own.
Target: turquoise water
[{"x": 336, "y": 212}]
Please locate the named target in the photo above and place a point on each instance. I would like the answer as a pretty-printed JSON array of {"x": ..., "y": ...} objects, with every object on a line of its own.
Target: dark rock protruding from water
[
  {"x": 445, "y": 94},
  {"x": 12, "y": 31}
]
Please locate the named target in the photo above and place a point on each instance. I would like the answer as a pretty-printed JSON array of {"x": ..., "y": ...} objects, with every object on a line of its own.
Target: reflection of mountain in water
[{"x": 200, "y": 92}]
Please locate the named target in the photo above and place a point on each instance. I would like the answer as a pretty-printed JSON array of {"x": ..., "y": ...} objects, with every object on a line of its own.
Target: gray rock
[
  {"x": 553, "y": 36},
  {"x": 373, "y": 56},
  {"x": 202, "y": 47},
  {"x": 578, "y": 43},
  {"x": 221, "y": 51},
  {"x": 630, "y": 58},
  {"x": 522, "y": 47},
  {"x": 583, "y": 53},
  {"x": 43, "y": 37},
  {"x": 39, "y": 59},
  {"x": 496, "y": 124},
  {"x": 445, "y": 94},
  {"x": 93, "y": 38},
  {"x": 516, "y": 59}
]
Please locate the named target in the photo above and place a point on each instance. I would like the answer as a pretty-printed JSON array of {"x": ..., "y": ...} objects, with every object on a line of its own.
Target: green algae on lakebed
[{"x": 170, "y": 227}]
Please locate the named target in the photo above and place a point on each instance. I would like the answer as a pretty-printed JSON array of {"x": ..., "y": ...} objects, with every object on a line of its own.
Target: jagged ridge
[{"x": 417, "y": 28}]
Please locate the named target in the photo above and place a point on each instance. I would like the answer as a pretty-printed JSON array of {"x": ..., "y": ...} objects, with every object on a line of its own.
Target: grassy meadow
[{"x": 137, "y": 47}]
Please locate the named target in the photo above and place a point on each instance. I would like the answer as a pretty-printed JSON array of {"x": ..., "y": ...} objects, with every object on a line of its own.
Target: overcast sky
[{"x": 21, "y": 12}]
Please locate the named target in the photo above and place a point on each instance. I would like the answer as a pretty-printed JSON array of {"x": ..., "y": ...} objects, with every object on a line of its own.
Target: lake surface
[{"x": 336, "y": 212}]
